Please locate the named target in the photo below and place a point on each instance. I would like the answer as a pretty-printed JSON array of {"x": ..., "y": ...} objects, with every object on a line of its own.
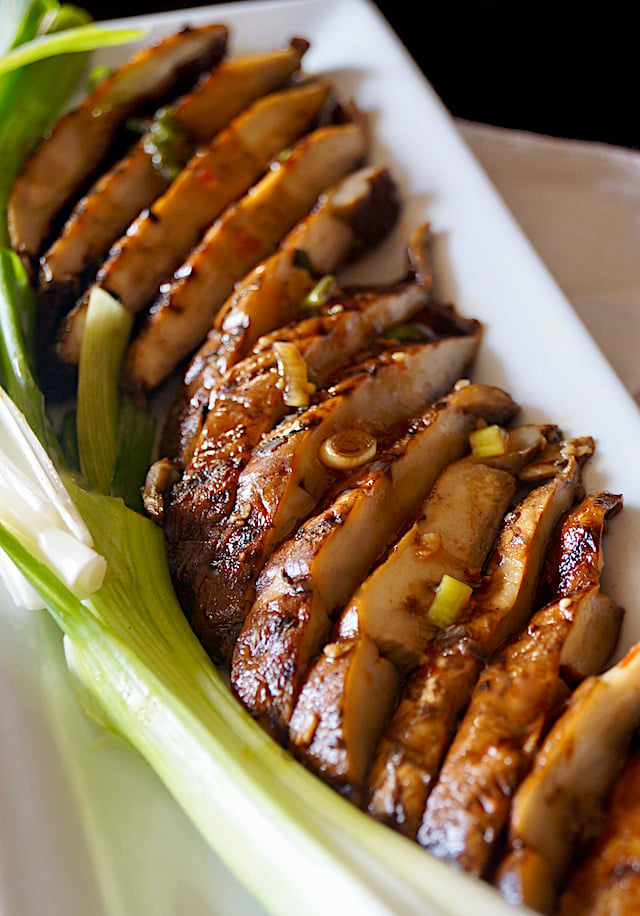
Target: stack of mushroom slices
[{"x": 403, "y": 581}]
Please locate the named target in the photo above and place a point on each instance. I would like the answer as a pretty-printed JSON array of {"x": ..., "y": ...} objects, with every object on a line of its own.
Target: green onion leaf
[
  {"x": 17, "y": 303},
  {"x": 106, "y": 335},
  {"x": 71, "y": 41},
  {"x": 320, "y": 294},
  {"x": 136, "y": 439}
]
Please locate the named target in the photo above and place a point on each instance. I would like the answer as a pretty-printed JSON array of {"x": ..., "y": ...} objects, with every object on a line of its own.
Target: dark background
[{"x": 565, "y": 69}]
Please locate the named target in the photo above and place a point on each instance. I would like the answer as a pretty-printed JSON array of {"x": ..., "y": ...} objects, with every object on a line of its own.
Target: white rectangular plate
[{"x": 85, "y": 827}]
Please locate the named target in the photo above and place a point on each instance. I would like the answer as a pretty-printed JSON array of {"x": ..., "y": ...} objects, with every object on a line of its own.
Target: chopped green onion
[
  {"x": 98, "y": 75},
  {"x": 450, "y": 598},
  {"x": 292, "y": 369},
  {"x": 106, "y": 335},
  {"x": 167, "y": 143},
  {"x": 348, "y": 449},
  {"x": 409, "y": 331},
  {"x": 320, "y": 294},
  {"x": 488, "y": 442}
]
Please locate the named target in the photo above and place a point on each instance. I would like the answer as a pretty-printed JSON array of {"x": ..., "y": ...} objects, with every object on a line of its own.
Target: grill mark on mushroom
[
  {"x": 160, "y": 239},
  {"x": 270, "y": 295}
]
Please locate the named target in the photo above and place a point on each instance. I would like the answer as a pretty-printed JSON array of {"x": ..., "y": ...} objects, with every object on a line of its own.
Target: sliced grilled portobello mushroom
[
  {"x": 513, "y": 701},
  {"x": 325, "y": 344},
  {"x": 77, "y": 145},
  {"x": 410, "y": 752},
  {"x": 160, "y": 238},
  {"x": 134, "y": 182},
  {"x": 451, "y": 536},
  {"x": 353, "y": 216},
  {"x": 559, "y": 808},
  {"x": 346, "y": 701},
  {"x": 249, "y": 402},
  {"x": 315, "y": 572},
  {"x": 607, "y": 880},
  {"x": 390, "y": 610},
  {"x": 286, "y": 477},
  {"x": 247, "y": 232}
]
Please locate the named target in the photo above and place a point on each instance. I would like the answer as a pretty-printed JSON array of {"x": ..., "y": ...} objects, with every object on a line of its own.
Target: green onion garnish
[{"x": 450, "y": 598}]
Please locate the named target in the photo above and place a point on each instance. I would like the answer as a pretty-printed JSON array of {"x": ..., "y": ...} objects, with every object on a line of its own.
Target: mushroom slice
[
  {"x": 134, "y": 182},
  {"x": 247, "y": 232},
  {"x": 286, "y": 477},
  {"x": 574, "y": 565},
  {"x": 409, "y": 755},
  {"x": 524, "y": 879},
  {"x": 608, "y": 879},
  {"x": 451, "y": 536},
  {"x": 68, "y": 156},
  {"x": 354, "y": 215},
  {"x": 314, "y": 573},
  {"x": 159, "y": 240},
  {"x": 344, "y": 705},
  {"x": 575, "y": 554},
  {"x": 501, "y": 731},
  {"x": 558, "y": 808}
]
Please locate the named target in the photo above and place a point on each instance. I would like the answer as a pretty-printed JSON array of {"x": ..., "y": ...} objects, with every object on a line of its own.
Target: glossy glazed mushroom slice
[
  {"x": 286, "y": 477},
  {"x": 513, "y": 702},
  {"x": 160, "y": 238},
  {"x": 346, "y": 701},
  {"x": 133, "y": 183},
  {"x": 607, "y": 880},
  {"x": 314, "y": 573},
  {"x": 75, "y": 148},
  {"x": 410, "y": 753},
  {"x": 451, "y": 536},
  {"x": 559, "y": 807},
  {"x": 246, "y": 233},
  {"x": 355, "y": 215}
]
